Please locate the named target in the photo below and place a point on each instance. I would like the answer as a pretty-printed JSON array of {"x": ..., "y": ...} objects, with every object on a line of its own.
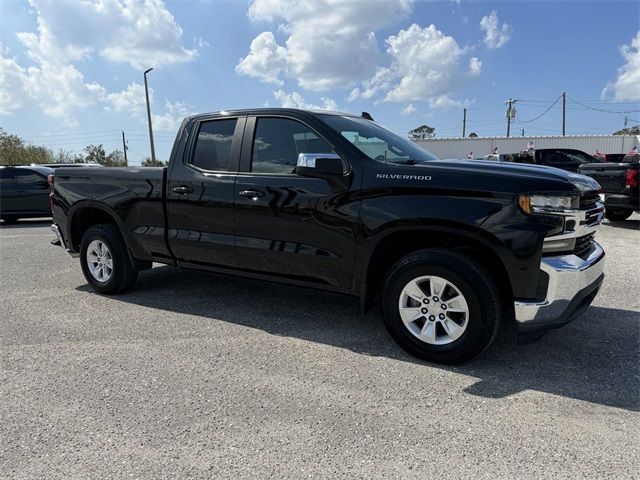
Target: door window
[
  {"x": 7, "y": 177},
  {"x": 278, "y": 142},
  {"x": 213, "y": 145},
  {"x": 27, "y": 177}
]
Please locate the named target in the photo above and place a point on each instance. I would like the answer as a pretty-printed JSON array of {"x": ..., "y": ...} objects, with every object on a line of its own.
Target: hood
[{"x": 502, "y": 176}]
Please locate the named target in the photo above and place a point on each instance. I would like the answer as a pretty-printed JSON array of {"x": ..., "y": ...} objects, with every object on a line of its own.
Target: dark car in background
[
  {"x": 65, "y": 165},
  {"x": 24, "y": 193},
  {"x": 620, "y": 184},
  {"x": 567, "y": 159}
]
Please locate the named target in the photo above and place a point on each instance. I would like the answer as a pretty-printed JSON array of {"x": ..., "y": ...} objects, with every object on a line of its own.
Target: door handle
[
  {"x": 251, "y": 193},
  {"x": 182, "y": 190}
]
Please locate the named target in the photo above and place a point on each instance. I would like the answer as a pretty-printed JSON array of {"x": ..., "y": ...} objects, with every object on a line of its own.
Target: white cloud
[
  {"x": 173, "y": 114},
  {"x": 495, "y": 35},
  {"x": 627, "y": 85},
  {"x": 408, "y": 110},
  {"x": 295, "y": 100},
  {"x": 425, "y": 65},
  {"x": 131, "y": 100},
  {"x": 329, "y": 44},
  {"x": 12, "y": 81},
  {"x": 138, "y": 33}
]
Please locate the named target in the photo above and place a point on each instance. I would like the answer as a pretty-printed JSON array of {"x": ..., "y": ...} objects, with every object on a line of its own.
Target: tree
[
  {"x": 66, "y": 156},
  {"x": 95, "y": 154},
  {"x": 115, "y": 159},
  {"x": 473, "y": 135},
  {"x": 635, "y": 130},
  {"x": 15, "y": 151},
  {"x": 422, "y": 132},
  {"x": 147, "y": 162}
]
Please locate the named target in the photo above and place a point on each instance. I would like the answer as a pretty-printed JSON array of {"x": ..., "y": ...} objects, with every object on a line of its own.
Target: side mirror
[{"x": 320, "y": 165}]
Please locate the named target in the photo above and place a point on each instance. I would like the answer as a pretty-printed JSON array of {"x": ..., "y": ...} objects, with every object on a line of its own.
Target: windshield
[{"x": 377, "y": 143}]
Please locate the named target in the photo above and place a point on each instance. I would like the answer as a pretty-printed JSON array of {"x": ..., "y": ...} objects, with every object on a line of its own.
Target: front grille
[
  {"x": 589, "y": 201},
  {"x": 584, "y": 246}
]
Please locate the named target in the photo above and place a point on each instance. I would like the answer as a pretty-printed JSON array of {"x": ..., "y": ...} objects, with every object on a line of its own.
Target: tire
[
  {"x": 617, "y": 214},
  {"x": 453, "y": 337},
  {"x": 10, "y": 218},
  {"x": 121, "y": 275}
]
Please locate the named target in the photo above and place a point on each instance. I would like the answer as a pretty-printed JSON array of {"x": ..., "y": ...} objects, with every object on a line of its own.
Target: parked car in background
[
  {"x": 614, "y": 157},
  {"x": 563, "y": 158},
  {"x": 24, "y": 193},
  {"x": 620, "y": 185},
  {"x": 66, "y": 165}
]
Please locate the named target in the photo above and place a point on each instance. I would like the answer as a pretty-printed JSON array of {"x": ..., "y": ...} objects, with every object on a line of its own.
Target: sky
[{"x": 71, "y": 72}]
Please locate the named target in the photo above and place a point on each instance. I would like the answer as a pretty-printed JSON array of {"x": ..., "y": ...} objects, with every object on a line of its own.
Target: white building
[{"x": 481, "y": 146}]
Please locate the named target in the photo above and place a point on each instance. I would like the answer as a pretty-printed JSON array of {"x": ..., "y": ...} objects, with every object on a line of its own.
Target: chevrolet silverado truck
[
  {"x": 620, "y": 184},
  {"x": 334, "y": 201}
]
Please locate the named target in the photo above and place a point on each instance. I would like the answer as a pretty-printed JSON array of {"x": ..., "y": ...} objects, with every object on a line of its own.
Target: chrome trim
[
  {"x": 309, "y": 159},
  {"x": 568, "y": 275},
  {"x": 581, "y": 228},
  {"x": 59, "y": 241}
]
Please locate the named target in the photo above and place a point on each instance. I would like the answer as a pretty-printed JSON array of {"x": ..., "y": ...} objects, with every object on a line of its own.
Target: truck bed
[{"x": 136, "y": 193}]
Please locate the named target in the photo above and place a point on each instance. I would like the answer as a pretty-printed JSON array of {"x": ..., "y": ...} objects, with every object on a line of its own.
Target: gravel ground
[{"x": 199, "y": 375}]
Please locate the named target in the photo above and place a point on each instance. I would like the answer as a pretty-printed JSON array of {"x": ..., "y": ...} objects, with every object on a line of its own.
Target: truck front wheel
[
  {"x": 441, "y": 306},
  {"x": 104, "y": 259},
  {"x": 617, "y": 214}
]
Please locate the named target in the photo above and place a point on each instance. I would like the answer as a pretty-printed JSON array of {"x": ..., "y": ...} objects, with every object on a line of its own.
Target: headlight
[{"x": 546, "y": 203}]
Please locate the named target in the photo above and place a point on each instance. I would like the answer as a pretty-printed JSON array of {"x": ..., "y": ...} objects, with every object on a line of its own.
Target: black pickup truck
[
  {"x": 336, "y": 202},
  {"x": 620, "y": 184}
]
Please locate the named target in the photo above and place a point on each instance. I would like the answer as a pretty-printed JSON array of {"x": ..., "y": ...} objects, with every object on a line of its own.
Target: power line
[
  {"x": 601, "y": 110},
  {"x": 543, "y": 113}
]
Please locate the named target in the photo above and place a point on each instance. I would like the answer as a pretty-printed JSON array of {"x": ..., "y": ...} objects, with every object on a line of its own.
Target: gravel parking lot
[{"x": 198, "y": 375}]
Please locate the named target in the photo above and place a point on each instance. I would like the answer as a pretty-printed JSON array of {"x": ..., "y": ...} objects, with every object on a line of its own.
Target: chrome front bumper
[{"x": 573, "y": 284}]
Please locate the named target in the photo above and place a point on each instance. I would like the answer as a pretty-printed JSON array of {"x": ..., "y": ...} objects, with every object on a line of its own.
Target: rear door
[
  {"x": 201, "y": 191},
  {"x": 292, "y": 226},
  {"x": 8, "y": 190},
  {"x": 32, "y": 192}
]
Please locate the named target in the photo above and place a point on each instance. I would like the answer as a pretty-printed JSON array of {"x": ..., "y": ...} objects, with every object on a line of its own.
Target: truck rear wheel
[
  {"x": 105, "y": 262},
  {"x": 617, "y": 214},
  {"x": 441, "y": 306}
]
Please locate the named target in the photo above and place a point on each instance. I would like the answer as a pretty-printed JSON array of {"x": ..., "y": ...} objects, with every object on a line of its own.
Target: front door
[
  {"x": 200, "y": 194},
  {"x": 291, "y": 226}
]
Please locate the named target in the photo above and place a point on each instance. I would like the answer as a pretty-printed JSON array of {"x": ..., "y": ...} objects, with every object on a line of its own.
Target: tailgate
[{"x": 611, "y": 177}]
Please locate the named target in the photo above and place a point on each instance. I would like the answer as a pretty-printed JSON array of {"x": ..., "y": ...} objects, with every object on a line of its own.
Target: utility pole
[
  {"x": 523, "y": 132},
  {"x": 146, "y": 92},
  {"x": 509, "y": 103},
  {"x": 464, "y": 123},
  {"x": 124, "y": 147},
  {"x": 626, "y": 120},
  {"x": 564, "y": 112}
]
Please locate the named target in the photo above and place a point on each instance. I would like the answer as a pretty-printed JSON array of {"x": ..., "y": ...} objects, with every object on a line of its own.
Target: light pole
[{"x": 146, "y": 92}]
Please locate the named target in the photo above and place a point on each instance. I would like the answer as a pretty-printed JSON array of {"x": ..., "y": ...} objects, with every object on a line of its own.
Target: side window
[
  {"x": 27, "y": 177},
  {"x": 277, "y": 143},
  {"x": 213, "y": 145},
  {"x": 555, "y": 158},
  {"x": 7, "y": 177}
]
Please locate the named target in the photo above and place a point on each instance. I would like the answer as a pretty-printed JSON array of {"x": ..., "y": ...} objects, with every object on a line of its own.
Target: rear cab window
[{"x": 212, "y": 149}]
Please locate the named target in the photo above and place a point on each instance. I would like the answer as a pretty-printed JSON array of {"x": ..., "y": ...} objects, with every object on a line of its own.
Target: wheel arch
[
  {"x": 398, "y": 243},
  {"x": 86, "y": 215}
]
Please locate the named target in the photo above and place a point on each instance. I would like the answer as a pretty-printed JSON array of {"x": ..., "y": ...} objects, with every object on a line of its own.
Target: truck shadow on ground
[
  {"x": 631, "y": 224},
  {"x": 27, "y": 223},
  {"x": 594, "y": 359}
]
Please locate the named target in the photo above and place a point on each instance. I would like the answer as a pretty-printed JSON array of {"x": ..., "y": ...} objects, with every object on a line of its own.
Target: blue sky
[{"x": 72, "y": 71}]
